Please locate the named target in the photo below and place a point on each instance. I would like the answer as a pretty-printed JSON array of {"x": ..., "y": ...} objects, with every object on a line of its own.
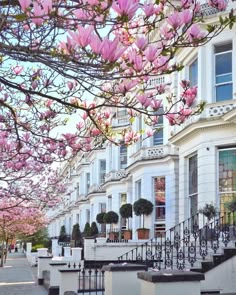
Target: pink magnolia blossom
[
  {"x": 166, "y": 32},
  {"x": 84, "y": 116},
  {"x": 186, "y": 3},
  {"x": 189, "y": 95},
  {"x": 126, "y": 85},
  {"x": 70, "y": 85},
  {"x": 80, "y": 125},
  {"x": 151, "y": 53},
  {"x": 111, "y": 49},
  {"x": 141, "y": 43},
  {"x": 171, "y": 118},
  {"x": 150, "y": 132},
  {"x": 187, "y": 16},
  {"x": 93, "y": 2},
  {"x": 37, "y": 18},
  {"x": 195, "y": 32},
  {"x": 183, "y": 115},
  {"x": 17, "y": 69},
  {"x": 155, "y": 103},
  {"x": 144, "y": 100},
  {"x": 149, "y": 9},
  {"x": 96, "y": 44},
  {"x": 175, "y": 20},
  {"x": 95, "y": 132},
  {"x": 126, "y": 7},
  {"x": 219, "y": 4},
  {"x": 82, "y": 37},
  {"x": 24, "y": 4},
  {"x": 131, "y": 137}
]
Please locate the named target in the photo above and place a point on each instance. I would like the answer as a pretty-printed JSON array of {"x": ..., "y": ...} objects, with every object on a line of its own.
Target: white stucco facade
[{"x": 104, "y": 179}]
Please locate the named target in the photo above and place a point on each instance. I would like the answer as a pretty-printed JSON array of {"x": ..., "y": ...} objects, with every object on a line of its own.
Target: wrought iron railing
[
  {"x": 90, "y": 280},
  {"x": 187, "y": 244}
]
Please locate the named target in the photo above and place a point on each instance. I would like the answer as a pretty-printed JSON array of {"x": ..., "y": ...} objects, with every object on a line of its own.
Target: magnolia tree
[
  {"x": 18, "y": 220},
  {"x": 24, "y": 178},
  {"x": 90, "y": 58}
]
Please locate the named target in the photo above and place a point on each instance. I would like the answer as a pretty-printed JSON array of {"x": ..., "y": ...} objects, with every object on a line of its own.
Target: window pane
[
  {"x": 193, "y": 73},
  {"x": 103, "y": 164},
  {"x": 193, "y": 175},
  {"x": 224, "y": 92},
  {"x": 138, "y": 189},
  {"x": 123, "y": 199},
  {"x": 160, "y": 197},
  {"x": 123, "y": 156},
  {"x": 224, "y": 63},
  {"x": 223, "y": 78},
  {"x": 223, "y": 47},
  {"x": 158, "y": 137},
  {"x": 227, "y": 171}
]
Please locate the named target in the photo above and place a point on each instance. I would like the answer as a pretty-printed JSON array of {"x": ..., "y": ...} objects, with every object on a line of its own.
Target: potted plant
[
  {"x": 87, "y": 230},
  {"x": 62, "y": 236},
  {"x": 209, "y": 211},
  {"x": 94, "y": 229},
  {"x": 231, "y": 205},
  {"x": 143, "y": 207},
  {"x": 76, "y": 236},
  {"x": 111, "y": 217},
  {"x": 126, "y": 212},
  {"x": 99, "y": 219}
]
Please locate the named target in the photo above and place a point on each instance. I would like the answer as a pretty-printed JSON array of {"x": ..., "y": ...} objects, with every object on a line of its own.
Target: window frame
[
  {"x": 158, "y": 220},
  {"x": 192, "y": 195},
  {"x": 123, "y": 154},
  {"x": 102, "y": 172},
  {"x": 195, "y": 59},
  {"x": 215, "y": 76},
  {"x": 222, "y": 193},
  {"x": 159, "y": 125}
]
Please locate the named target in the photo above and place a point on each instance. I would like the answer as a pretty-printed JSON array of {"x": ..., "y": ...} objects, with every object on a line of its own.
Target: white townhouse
[{"x": 180, "y": 168}]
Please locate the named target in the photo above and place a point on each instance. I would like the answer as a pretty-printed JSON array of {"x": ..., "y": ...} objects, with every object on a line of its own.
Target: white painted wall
[{"x": 221, "y": 277}]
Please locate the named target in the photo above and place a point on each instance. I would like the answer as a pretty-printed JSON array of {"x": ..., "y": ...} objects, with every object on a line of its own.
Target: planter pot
[
  {"x": 143, "y": 233},
  {"x": 127, "y": 234},
  {"x": 113, "y": 236}
]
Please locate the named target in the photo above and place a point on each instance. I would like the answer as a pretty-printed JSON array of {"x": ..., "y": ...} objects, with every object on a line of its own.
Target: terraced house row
[{"x": 180, "y": 168}]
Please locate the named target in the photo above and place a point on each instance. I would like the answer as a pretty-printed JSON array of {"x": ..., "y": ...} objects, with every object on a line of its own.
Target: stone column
[
  {"x": 169, "y": 282},
  {"x": 54, "y": 247},
  {"x": 76, "y": 254},
  {"x": 122, "y": 279},
  {"x": 59, "y": 250},
  {"x": 89, "y": 249},
  {"x": 55, "y": 277},
  {"x": 43, "y": 265},
  {"x": 42, "y": 252},
  {"x": 28, "y": 247},
  {"x": 68, "y": 280},
  {"x": 67, "y": 252}
]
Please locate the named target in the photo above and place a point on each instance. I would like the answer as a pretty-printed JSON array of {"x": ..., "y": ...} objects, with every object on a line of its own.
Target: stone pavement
[{"x": 17, "y": 277}]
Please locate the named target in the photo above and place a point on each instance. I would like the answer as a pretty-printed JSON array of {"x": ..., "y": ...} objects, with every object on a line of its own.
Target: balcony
[
  {"x": 211, "y": 111},
  {"x": 120, "y": 121},
  {"x": 115, "y": 175},
  {"x": 95, "y": 188},
  {"x": 155, "y": 81},
  {"x": 156, "y": 152},
  {"x": 207, "y": 10}
]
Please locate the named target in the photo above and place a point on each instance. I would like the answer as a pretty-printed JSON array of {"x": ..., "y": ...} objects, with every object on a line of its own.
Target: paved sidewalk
[{"x": 17, "y": 277}]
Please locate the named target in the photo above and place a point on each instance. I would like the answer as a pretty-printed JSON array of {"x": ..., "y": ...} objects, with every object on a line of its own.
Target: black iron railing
[
  {"x": 90, "y": 280},
  {"x": 185, "y": 245}
]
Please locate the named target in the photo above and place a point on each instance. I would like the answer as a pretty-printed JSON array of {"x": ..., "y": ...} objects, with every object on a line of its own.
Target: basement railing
[{"x": 187, "y": 244}]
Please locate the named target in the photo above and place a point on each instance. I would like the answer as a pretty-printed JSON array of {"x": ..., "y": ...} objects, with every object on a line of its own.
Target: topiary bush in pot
[
  {"x": 111, "y": 218},
  {"x": 126, "y": 212},
  {"x": 143, "y": 207}
]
